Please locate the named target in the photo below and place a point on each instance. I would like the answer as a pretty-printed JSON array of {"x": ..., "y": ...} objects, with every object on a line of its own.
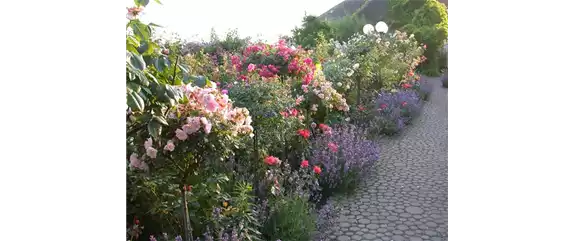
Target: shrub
[
  {"x": 345, "y": 155},
  {"x": 428, "y": 21},
  {"x": 377, "y": 62},
  {"x": 347, "y": 26},
  {"x": 312, "y": 27},
  {"x": 394, "y": 110},
  {"x": 292, "y": 219}
]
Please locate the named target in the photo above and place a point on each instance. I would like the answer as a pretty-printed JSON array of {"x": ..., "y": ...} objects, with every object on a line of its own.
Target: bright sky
[{"x": 193, "y": 19}]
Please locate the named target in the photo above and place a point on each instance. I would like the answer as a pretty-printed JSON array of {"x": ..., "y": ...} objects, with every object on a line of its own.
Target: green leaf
[
  {"x": 135, "y": 102},
  {"x": 154, "y": 128},
  {"x": 160, "y": 119},
  {"x": 133, "y": 87},
  {"x": 141, "y": 2},
  {"x": 183, "y": 68},
  {"x": 141, "y": 30},
  {"x": 132, "y": 44},
  {"x": 161, "y": 63},
  {"x": 200, "y": 81},
  {"x": 137, "y": 61},
  {"x": 155, "y": 25}
]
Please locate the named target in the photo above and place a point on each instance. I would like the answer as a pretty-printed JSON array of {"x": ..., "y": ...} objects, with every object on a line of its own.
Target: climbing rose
[
  {"x": 271, "y": 160},
  {"x": 304, "y": 133},
  {"x": 317, "y": 169},
  {"x": 169, "y": 146},
  {"x": 333, "y": 146},
  {"x": 180, "y": 134},
  {"x": 304, "y": 164}
]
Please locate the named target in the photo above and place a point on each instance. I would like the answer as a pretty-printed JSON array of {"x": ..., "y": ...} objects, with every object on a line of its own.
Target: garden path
[{"x": 406, "y": 198}]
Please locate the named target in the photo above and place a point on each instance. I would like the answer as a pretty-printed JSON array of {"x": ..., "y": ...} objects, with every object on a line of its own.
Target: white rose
[{"x": 350, "y": 73}]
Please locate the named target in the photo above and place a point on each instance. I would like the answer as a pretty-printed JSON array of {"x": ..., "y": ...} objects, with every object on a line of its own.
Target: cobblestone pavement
[{"x": 406, "y": 199}]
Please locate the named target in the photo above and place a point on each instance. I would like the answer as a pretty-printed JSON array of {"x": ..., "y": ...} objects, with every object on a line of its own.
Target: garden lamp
[
  {"x": 381, "y": 27},
  {"x": 368, "y": 28}
]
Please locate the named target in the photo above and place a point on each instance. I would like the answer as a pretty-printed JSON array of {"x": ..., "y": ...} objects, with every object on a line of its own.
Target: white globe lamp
[
  {"x": 368, "y": 28},
  {"x": 381, "y": 27}
]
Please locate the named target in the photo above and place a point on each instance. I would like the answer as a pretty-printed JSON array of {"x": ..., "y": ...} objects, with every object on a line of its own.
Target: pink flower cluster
[
  {"x": 204, "y": 110},
  {"x": 298, "y": 65},
  {"x": 207, "y": 107},
  {"x": 327, "y": 95}
]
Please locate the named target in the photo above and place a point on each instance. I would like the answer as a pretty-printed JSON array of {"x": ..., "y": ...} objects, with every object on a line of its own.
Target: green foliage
[
  {"x": 347, "y": 26},
  {"x": 230, "y": 43},
  {"x": 290, "y": 220},
  {"x": 307, "y": 35},
  {"x": 428, "y": 21},
  {"x": 265, "y": 102}
]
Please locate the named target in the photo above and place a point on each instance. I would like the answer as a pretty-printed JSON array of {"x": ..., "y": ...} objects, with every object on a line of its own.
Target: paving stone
[{"x": 406, "y": 196}]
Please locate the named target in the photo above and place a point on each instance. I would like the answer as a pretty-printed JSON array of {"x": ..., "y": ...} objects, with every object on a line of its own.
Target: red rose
[
  {"x": 293, "y": 112},
  {"x": 304, "y": 164},
  {"x": 271, "y": 160},
  {"x": 304, "y": 133},
  {"x": 317, "y": 169},
  {"x": 406, "y": 86},
  {"x": 137, "y": 221}
]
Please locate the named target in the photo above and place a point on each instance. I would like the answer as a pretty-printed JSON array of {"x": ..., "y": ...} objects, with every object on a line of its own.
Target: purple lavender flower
[
  {"x": 394, "y": 110},
  {"x": 354, "y": 157}
]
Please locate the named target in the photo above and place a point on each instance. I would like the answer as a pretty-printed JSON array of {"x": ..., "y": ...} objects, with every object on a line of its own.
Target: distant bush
[
  {"x": 347, "y": 26},
  {"x": 307, "y": 35},
  {"x": 428, "y": 21}
]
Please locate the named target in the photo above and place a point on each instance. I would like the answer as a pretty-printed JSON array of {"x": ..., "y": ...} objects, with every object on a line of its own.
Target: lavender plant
[
  {"x": 395, "y": 110},
  {"x": 345, "y": 156},
  {"x": 424, "y": 88}
]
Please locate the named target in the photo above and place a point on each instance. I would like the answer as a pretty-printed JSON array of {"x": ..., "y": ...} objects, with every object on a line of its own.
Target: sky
[{"x": 260, "y": 19}]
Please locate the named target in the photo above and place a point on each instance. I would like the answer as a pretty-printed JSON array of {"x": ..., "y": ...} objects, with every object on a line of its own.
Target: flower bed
[{"x": 246, "y": 141}]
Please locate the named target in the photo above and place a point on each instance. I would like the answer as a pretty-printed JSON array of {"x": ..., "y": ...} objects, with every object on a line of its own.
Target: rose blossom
[
  {"x": 169, "y": 146},
  {"x": 271, "y": 160},
  {"x": 333, "y": 146},
  {"x": 151, "y": 152},
  {"x": 317, "y": 169},
  {"x": 180, "y": 134},
  {"x": 304, "y": 164}
]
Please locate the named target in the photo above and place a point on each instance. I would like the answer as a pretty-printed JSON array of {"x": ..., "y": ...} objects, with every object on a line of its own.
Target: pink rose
[
  {"x": 134, "y": 161},
  {"x": 206, "y": 125},
  {"x": 193, "y": 126},
  {"x": 211, "y": 104},
  {"x": 169, "y": 146},
  {"x": 151, "y": 152},
  {"x": 180, "y": 134},
  {"x": 333, "y": 146},
  {"x": 251, "y": 67},
  {"x": 148, "y": 143}
]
